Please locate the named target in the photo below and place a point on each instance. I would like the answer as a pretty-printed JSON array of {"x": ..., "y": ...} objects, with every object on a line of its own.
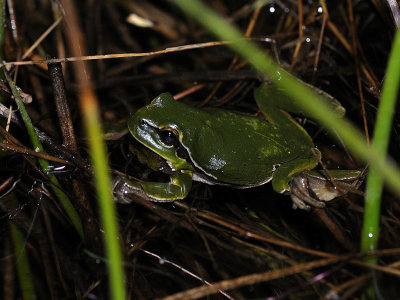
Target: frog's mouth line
[{"x": 164, "y": 166}]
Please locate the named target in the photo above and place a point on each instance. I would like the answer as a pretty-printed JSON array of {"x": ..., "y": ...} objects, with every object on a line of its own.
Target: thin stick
[
  {"x": 64, "y": 115},
  {"x": 125, "y": 55},
  {"x": 41, "y": 38}
]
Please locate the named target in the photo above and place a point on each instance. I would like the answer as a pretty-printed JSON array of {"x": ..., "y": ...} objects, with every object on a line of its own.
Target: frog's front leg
[
  {"x": 178, "y": 188},
  {"x": 286, "y": 172}
]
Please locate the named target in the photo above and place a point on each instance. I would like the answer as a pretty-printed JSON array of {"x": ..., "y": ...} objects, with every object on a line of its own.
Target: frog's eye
[{"x": 169, "y": 138}]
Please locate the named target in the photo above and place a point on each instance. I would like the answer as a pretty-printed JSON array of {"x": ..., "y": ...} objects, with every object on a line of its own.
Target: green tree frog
[{"x": 217, "y": 146}]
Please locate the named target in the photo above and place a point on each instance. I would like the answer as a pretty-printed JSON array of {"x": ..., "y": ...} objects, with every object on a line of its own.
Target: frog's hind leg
[
  {"x": 315, "y": 189},
  {"x": 271, "y": 98}
]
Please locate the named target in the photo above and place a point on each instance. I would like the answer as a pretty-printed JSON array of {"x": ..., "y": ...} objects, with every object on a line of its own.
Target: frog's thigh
[{"x": 285, "y": 172}]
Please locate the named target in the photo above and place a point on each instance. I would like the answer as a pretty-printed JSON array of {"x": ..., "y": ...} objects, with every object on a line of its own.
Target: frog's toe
[
  {"x": 298, "y": 203},
  {"x": 301, "y": 196},
  {"x": 121, "y": 187}
]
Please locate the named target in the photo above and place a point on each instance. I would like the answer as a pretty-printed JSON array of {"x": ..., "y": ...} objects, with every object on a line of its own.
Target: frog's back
[{"x": 240, "y": 149}]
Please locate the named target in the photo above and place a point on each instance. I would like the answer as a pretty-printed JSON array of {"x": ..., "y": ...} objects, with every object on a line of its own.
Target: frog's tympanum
[{"x": 217, "y": 146}]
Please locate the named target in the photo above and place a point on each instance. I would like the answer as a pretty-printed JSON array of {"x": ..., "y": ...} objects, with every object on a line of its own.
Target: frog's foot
[
  {"x": 121, "y": 187},
  {"x": 302, "y": 195},
  {"x": 311, "y": 188}
]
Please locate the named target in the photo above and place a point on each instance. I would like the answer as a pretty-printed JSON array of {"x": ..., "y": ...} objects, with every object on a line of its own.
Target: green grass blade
[
  {"x": 24, "y": 271},
  {"x": 374, "y": 187},
  {"x": 97, "y": 151}
]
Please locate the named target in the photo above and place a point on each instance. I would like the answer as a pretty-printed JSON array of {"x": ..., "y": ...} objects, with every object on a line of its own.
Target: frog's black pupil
[{"x": 168, "y": 138}]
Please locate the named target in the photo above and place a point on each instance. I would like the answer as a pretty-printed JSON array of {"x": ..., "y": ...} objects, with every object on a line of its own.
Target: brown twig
[
  {"x": 64, "y": 115},
  {"x": 357, "y": 65}
]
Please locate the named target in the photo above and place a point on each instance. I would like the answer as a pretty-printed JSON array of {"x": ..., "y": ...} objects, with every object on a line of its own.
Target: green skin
[{"x": 227, "y": 148}]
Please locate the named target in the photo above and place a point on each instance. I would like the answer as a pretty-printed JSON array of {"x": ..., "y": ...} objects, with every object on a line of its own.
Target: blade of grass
[
  {"x": 294, "y": 88},
  {"x": 24, "y": 271},
  {"x": 97, "y": 151},
  {"x": 374, "y": 187},
  {"x": 61, "y": 196}
]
